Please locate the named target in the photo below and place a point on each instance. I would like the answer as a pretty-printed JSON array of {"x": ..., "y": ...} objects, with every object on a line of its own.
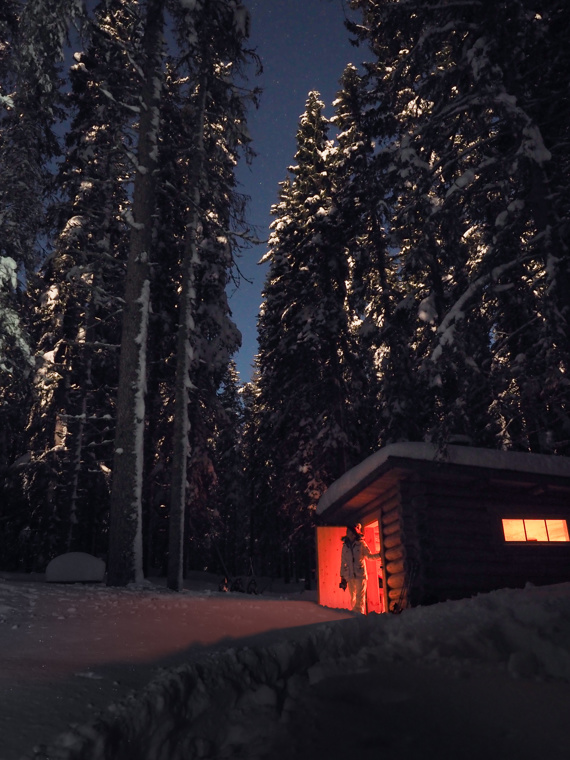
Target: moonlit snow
[{"x": 94, "y": 672}]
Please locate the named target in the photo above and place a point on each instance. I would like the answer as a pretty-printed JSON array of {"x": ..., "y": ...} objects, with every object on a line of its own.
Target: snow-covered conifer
[
  {"x": 307, "y": 417},
  {"x": 77, "y": 296},
  {"x": 478, "y": 144},
  {"x": 32, "y": 40},
  {"x": 391, "y": 402},
  {"x": 35, "y": 35},
  {"x": 229, "y": 504},
  {"x": 212, "y": 136}
]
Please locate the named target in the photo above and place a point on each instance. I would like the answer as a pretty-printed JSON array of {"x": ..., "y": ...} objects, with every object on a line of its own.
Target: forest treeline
[{"x": 417, "y": 287}]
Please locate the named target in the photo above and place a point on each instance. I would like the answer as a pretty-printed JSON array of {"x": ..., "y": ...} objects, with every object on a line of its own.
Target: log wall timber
[
  {"x": 462, "y": 548},
  {"x": 402, "y": 545},
  {"x": 512, "y": 499},
  {"x": 398, "y": 599},
  {"x": 390, "y": 521},
  {"x": 394, "y": 554},
  {"x": 393, "y": 527},
  {"x": 391, "y": 517},
  {"x": 390, "y": 501},
  {"x": 443, "y": 535},
  {"x": 417, "y": 532},
  {"x": 396, "y": 581},
  {"x": 394, "y": 568},
  {"x": 394, "y": 541}
]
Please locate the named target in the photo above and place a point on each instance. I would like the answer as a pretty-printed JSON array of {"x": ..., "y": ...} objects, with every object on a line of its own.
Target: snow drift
[{"x": 235, "y": 703}]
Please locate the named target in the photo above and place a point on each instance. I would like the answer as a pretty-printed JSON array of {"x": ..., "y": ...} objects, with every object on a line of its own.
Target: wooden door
[{"x": 329, "y": 548}]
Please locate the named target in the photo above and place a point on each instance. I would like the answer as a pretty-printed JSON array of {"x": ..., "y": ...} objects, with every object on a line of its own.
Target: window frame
[{"x": 533, "y": 541}]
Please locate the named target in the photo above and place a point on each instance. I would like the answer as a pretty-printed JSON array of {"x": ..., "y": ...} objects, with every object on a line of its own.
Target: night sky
[{"x": 303, "y": 46}]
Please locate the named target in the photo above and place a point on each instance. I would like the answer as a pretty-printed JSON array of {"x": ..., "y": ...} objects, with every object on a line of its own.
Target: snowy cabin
[{"x": 448, "y": 524}]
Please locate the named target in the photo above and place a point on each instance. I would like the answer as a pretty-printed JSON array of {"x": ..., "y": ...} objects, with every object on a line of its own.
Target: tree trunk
[
  {"x": 125, "y": 540},
  {"x": 184, "y": 358}
]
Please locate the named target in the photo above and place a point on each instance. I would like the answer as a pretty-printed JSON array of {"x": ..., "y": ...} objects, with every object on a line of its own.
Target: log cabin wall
[
  {"x": 449, "y": 536},
  {"x": 533, "y": 562},
  {"x": 391, "y": 544},
  {"x": 414, "y": 531}
]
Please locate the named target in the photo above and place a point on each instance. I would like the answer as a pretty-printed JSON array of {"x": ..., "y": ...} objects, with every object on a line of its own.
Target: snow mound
[
  {"x": 75, "y": 567},
  {"x": 234, "y": 703}
]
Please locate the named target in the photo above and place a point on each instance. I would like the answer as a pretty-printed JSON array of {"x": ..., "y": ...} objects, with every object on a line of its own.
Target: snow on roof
[{"x": 541, "y": 464}]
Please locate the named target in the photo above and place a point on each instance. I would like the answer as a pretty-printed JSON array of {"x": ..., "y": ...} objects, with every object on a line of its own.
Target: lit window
[
  {"x": 557, "y": 530},
  {"x": 535, "y": 530}
]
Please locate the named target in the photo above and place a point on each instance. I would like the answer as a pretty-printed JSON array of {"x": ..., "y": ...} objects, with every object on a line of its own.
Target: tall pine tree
[
  {"x": 32, "y": 41},
  {"x": 77, "y": 298},
  {"x": 207, "y": 337},
  {"x": 306, "y": 429}
]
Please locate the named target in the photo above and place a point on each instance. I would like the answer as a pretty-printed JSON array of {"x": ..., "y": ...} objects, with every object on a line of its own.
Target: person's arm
[{"x": 368, "y": 554}]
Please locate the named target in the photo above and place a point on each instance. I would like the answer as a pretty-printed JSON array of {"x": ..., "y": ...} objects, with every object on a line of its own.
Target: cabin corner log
[
  {"x": 395, "y": 568},
  {"x": 389, "y": 530},
  {"x": 394, "y": 515},
  {"x": 393, "y": 541},
  {"x": 394, "y": 554},
  {"x": 397, "y": 580}
]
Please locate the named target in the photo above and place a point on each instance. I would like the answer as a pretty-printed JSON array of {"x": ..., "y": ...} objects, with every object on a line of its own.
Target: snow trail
[{"x": 204, "y": 674}]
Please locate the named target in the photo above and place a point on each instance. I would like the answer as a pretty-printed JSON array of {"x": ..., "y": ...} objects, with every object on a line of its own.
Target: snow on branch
[
  {"x": 111, "y": 97},
  {"x": 446, "y": 329},
  {"x": 8, "y": 270},
  {"x": 532, "y": 143},
  {"x": 6, "y": 101},
  {"x": 242, "y": 21},
  {"x": 11, "y": 331},
  {"x": 127, "y": 215},
  {"x": 462, "y": 182},
  {"x": 133, "y": 159}
]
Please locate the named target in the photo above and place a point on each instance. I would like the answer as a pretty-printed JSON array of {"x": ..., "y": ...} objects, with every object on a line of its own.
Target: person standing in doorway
[{"x": 353, "y": 573}]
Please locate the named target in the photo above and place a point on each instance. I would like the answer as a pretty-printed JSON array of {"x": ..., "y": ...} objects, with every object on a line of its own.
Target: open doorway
[
  {"x": 375, "y": 588},
  {"x": 329, "y": 549}
]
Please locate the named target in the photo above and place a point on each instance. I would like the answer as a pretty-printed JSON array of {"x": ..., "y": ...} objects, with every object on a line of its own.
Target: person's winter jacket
[{"x": 353, "y": 556}]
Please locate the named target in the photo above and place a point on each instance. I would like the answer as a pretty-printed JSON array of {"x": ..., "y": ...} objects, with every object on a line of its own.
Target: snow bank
[
  {"x": 75, "y": 567},
  {"x": 232, "y": 702}
]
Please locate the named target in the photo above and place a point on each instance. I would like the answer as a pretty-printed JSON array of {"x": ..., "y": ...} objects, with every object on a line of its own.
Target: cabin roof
[{"x": 365, "y": 475}]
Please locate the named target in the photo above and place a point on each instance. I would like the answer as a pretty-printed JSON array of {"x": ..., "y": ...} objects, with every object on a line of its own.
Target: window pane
[
  {"x": 536, "y": 530},
  {"x": 514, "y": 530},
  {"x": 557, "y": 530}
]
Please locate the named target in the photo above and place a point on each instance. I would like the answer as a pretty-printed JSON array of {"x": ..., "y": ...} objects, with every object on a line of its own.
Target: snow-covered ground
[{"x": 91, "y": 672}]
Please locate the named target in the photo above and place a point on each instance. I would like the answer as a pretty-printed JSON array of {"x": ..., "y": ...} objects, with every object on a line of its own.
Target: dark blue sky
[{"x": 303, "y": 46}]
